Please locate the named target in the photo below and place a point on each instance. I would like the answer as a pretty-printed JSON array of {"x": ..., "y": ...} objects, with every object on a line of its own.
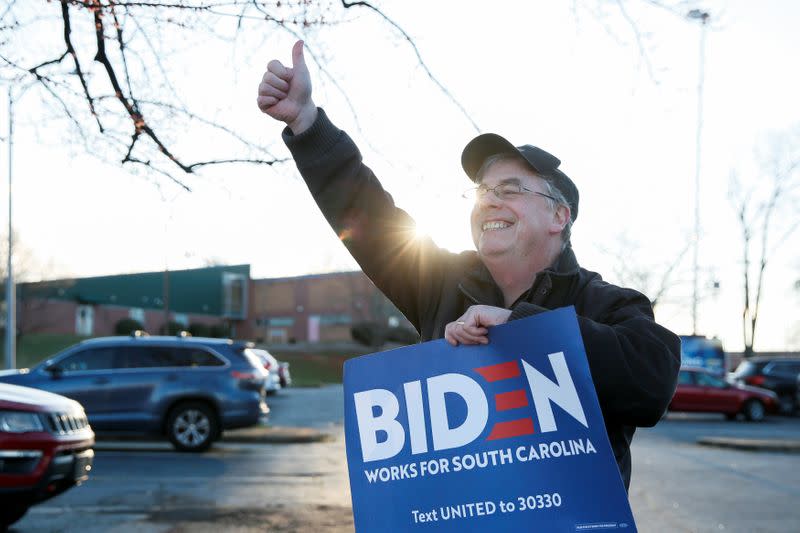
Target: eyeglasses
[{"x": 504, "y": 191}]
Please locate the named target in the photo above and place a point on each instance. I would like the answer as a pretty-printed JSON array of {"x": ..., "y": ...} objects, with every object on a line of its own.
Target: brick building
[
  {"x": 311, "y": 308},
  {"x": 317, "y": 308},
  {"x": 93, "y": 306}
]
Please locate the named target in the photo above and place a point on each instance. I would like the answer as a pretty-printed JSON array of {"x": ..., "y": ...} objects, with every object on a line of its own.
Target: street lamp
[
  {"x": 11, "y": 297},
  {"x": 702, "y": 16}
]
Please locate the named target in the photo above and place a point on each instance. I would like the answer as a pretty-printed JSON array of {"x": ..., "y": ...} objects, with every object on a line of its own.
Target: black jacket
[{"x": 634, "y": 361}]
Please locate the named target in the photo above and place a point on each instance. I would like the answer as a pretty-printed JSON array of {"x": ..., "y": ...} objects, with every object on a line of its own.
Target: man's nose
[{"x": 487, "y": 199}]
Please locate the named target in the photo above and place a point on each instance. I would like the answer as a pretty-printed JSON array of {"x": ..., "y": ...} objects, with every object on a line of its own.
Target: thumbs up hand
[{"x": 285, "y": 93}]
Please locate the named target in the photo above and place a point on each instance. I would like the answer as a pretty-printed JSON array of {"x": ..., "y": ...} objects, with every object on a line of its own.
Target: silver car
[{"x": 279, "y": 376}]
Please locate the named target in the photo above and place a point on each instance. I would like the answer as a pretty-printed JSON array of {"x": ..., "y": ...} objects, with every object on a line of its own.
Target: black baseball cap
[{"x": 546, "y": 164}]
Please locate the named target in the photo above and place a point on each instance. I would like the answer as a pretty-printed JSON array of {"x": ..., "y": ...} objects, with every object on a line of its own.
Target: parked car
[
  {"x": 797, "y": 391},
  {"x": 284, "y": 374},
  {"x": 45, "y": 448},
  {"x": 702, "y": 392},
  {"x": 778, "y": 374},
  {"x": 279, "y": 368},
  {"x": 271, "y": 365},
  {"x": 187, "y": 388}
]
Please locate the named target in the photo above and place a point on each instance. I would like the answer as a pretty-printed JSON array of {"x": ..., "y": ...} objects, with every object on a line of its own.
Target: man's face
[{"x": 518, "y": 227}]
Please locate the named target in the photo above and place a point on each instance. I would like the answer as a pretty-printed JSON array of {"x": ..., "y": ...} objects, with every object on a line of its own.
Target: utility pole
[
  {"x": 702, "y": 16},
  {"x": 165, "y": 298},
  {"x": 11, "y": 297}
]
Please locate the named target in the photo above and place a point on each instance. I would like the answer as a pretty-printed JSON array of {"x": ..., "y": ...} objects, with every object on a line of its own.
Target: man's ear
[{"x": 560, "y": 218}]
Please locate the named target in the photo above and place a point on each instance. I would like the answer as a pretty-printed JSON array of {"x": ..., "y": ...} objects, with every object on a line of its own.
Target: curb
[
  {"x": 771, "y": 445},
  {"x": 253, "y": 435},
  {"x": 276, "y": 435}
]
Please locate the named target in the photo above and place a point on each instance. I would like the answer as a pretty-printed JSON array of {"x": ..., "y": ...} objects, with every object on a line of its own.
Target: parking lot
[{"x": 677, "y": 484}]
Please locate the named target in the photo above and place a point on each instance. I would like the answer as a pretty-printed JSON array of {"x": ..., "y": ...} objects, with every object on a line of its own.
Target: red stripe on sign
[
  {"x": 510, "y": 400},
  {"x": 498, "y": 372},
  {"x": 515, "y": 428}
]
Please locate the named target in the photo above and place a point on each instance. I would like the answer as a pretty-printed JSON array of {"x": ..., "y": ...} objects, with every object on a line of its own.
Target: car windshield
[{"x": 707, "y": 380}]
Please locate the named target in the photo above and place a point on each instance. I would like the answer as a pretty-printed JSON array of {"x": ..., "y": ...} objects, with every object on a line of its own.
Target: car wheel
[
  {"x": 9, "y": 516},
  {"x": 786, "y": 404},
  {"x": 192, "y": 426},
  {"x": 754, "y": 410}
]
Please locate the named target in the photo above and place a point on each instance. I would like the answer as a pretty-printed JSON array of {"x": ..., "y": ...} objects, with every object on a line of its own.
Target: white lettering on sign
[
  {"x": 369, "y": 425},
  {"x": 561, "y": 393},
  {"x": 377, "y": 411},
  {"x": 416, "y": 417},
  {"x": 445, "y": 437}
]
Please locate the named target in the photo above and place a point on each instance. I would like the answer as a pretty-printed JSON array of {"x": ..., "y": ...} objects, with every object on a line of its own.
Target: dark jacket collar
[
  {"x": 478, "y": 285},
  {"x": 566, "y": 264}
]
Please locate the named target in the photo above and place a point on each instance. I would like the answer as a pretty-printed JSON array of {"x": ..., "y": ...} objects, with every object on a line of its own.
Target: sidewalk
[
  {"x": 254, "y": 435},
  {"x": 761, "y": 445}
]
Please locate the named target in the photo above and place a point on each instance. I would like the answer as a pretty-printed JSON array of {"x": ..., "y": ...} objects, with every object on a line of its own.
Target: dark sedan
[
  {"x": 778, "y": 374},
  {"x": 699, "y": 391}
]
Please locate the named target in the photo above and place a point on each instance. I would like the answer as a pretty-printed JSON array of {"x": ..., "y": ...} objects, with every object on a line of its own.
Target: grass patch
[
  {"x": 313, "y": 370},
  {"x": 35, "y": 348},
  {"x": 318, "y": 365}
]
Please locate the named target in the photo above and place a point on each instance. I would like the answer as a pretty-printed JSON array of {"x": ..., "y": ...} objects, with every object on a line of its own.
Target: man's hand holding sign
[
  {"x": 470, "y": 328},
  {"x": 494, "y": 400}
]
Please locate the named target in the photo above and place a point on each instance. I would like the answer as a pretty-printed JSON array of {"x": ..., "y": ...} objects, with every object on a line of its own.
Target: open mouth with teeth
[{"x": 494, "y": 225}]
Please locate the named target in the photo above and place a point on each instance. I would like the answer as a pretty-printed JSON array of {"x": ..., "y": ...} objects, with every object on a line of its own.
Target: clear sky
[{"x": 619, "y": 108}]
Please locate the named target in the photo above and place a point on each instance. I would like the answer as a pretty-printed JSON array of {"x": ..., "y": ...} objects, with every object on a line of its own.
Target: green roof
[{"x": 198, "y": 290}]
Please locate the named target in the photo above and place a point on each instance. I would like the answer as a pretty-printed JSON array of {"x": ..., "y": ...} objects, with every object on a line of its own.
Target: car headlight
[{"x": 20, "y": 422}]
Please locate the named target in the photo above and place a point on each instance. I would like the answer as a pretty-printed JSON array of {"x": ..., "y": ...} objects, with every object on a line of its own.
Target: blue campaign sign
[{"x": 500, "y": 437}]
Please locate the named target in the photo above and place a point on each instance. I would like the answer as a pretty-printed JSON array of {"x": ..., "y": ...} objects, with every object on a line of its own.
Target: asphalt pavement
[{"x": 289, "y": 425}]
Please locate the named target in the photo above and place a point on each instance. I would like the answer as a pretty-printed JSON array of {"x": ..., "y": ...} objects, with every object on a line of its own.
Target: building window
[
  {"x": 277, "y": 336},
  {"x": 84, "y": 320},
  {"x": 137, "y": 314},
  {"x": 234, "y": 289},
  {"x": 279, "y": 322},
  {"x": 335, "y": 320}
]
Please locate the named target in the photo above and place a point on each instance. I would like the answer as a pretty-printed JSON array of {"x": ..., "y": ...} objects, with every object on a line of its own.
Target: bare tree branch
[
  {"x": 757, "y": 222},
  {"x": 71, "y": 52},
  {"x": 645, "y": 57},
  {"x": 130, "y": 94},
  {"x": 640, "y": 276},
  {"x": 413, "y": 45}
]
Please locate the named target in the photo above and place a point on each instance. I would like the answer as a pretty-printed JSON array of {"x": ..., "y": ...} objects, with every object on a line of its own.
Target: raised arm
[{"x": 378, "y": 234}]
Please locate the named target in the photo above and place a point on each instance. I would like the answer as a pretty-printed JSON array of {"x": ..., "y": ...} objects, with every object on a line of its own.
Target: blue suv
[{"x": 187, "y": 388}]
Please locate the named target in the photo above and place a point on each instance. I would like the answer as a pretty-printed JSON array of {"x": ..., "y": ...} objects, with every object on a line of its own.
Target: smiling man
[{"x": 523, "y": 263}]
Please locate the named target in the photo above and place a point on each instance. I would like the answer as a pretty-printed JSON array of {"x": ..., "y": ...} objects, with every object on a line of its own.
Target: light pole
[
  {"x": 702, "y": 16},
  {"x": 11, "y": 297}
]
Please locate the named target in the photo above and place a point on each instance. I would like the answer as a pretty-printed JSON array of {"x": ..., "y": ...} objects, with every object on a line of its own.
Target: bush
[
  {"x": 126, "y": 326},
  {"x": 199, "y": 330},
  {"x": 375, "y": 334},
  {"x": 172, "y": 328},
  {"x": 369, "y": 333},
  {"x": 402, "y": 335},
  {"x": 219, "y": 331}
]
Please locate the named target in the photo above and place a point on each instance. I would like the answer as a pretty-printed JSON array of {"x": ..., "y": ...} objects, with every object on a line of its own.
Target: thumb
[{"x": 298, "y": 61}]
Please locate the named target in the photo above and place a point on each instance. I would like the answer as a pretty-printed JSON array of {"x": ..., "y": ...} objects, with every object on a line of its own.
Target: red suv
[
  {"x": 700, "y": 391},
  {"x": 45, "y": 448}
]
